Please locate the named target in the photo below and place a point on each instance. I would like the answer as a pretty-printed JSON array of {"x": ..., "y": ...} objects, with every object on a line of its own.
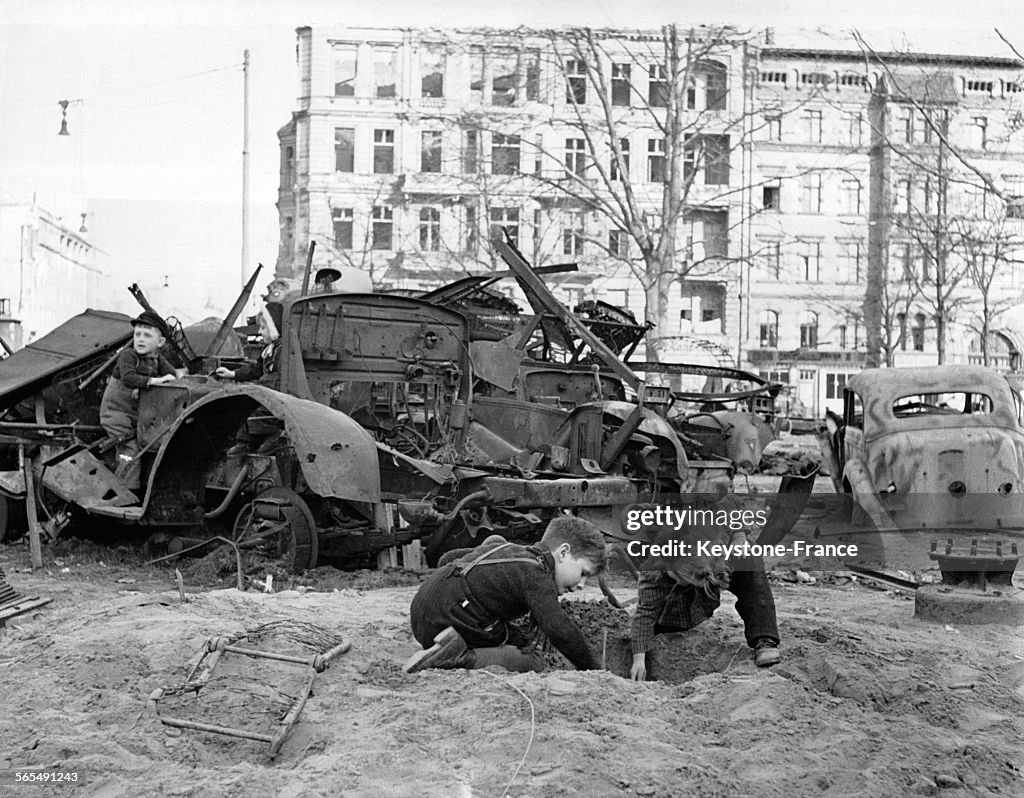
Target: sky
[{"x": 156, "y": 111}]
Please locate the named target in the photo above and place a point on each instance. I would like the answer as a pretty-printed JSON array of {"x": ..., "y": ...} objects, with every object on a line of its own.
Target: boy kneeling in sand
[{"x": 460, "y": 614}]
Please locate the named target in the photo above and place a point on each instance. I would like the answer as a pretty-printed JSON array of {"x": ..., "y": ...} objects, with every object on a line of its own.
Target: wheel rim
[{"x": 289, "y": 535}]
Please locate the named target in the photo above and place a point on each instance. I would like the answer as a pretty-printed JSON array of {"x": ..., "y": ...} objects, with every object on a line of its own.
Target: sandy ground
[{"x": 868, "y": 700}]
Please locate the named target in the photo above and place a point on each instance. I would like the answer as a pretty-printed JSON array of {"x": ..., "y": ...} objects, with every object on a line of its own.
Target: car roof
[{"x": 949, "y": 378}]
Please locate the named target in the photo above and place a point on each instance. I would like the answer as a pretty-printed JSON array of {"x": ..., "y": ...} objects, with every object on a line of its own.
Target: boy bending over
[{"x": 460, "y": 614}]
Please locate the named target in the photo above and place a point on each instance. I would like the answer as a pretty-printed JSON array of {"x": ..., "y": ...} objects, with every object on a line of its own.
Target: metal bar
[
  {"x": 884, "y": 578},
  {"x": 27, "y": 425},
  {"x": 252, "y": 652},
  {"x": 210, "y": 727},
  {"x": 292, "y": 717},
  {"x": 321, "y": 661}
]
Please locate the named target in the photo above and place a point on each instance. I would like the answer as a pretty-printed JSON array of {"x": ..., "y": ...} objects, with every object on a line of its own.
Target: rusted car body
[
  {"x": 935, "y": 447},
  {"x": 392, "y": 419}
]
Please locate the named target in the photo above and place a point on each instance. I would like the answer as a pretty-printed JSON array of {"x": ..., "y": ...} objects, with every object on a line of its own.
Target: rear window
[{"x": 942, "y": 404}]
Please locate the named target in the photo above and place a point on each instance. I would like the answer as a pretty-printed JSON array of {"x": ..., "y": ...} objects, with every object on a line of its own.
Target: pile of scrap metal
[{"x": 392, "y": 419}]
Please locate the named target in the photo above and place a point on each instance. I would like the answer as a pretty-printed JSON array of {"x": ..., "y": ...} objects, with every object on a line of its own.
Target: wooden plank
[
  {"x": 26, "y": 605},
  {"x": 412, "y": 556}
]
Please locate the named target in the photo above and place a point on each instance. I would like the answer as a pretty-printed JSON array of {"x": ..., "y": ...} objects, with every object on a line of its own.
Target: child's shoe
[{"x": 448, "y": 651}]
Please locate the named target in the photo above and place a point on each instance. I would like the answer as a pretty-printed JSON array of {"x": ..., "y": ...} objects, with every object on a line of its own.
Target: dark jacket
[{"x": 480, "y": 602}]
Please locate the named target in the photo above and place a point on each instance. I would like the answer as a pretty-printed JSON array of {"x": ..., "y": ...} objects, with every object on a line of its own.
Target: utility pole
[
  {"x": 245, "y": 167},
  {"x": 878, "y": 221}
]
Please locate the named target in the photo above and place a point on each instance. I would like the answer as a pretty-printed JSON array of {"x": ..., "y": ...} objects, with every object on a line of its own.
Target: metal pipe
[
  {"x": 209, "y": 727},
  {"x": 233, "y": 491}
]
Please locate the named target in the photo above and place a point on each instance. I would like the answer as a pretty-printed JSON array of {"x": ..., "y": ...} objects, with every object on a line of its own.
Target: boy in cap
[
  {"x": 460, "y": 614},
  {"x": 138, "y": 367}
]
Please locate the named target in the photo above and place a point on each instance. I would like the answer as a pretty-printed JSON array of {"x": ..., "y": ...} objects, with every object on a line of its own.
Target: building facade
[
  {"x": 409, "y": 148},
  {"x": 48, "y": 273}
]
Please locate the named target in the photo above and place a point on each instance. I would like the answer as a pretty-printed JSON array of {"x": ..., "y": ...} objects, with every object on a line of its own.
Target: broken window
[
  {"x": 432, "y": 71},
  {"x": 471, "y": 233},
  {"x": 771, "y": 197},
  {"x": 716, "y": 159},
  {"x": 344, "y": 149},
  {"x": 808, "y": 330},
  {"x": 344, "y": 70},
  {"x": 618, "y": 243},
  {"x": 942, "y": 404},
  {"x": 385, "y": 72},
  {"x": 918, "y": 330},
  {"x": 716, "y": 85},
  {"x": 430, "y": 151},
  {"x": 504, "y": 66}
]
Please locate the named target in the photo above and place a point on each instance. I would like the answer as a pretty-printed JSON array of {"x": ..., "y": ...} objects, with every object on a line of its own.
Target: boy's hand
[
  {"x": 638, "y": 671},
  {"x": 224, "y": 373},
  {"x": 166, "y": 378}
]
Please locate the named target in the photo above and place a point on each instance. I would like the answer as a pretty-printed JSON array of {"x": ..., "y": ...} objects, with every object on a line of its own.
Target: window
[
  {"x": 841, "y": 335},
  {"x": 902, "y": 196},
  {"x": 471, "y": 233},
  {"x": 656, "y": 161},
  {"x": 531, "y": 66},
  {"x": 470, "y": 152},
  {"x": 344, "y": 71},
  {"x": 901, "y": 322},
  {"x": 851, "y": 196},
  {"x": 657, "y": 86},
  {"x": 289, "y": 233},
  {"x": 430, "y": 151},
  {"x": 773, "y": 126},
  {"x": 430, "y": 229},
  {"x": 811, "y": 261},
  {"x": 715, "y": 233},
  {"x": 383, "y": 152},
  {"x": 572, "y": 234},
  {"x": 618, "y": 243},
  {"x": 382, "y": 227},
  {"x": 576, "y": 157},
  {"x": 849, "y": 262},
  {"x": 504, "y": 66},
  {"x": 614, "y": 170},
  {"x": 812, "y": 119},
  {"x": 342, "y": 219},
  {"x": 575, "y": 82},
  {"x": 288, "y": 167},
  {"x": 716, "y": 86},
  {"x": 538, "y": 154},
  {"x": 5, "y": 307},
  {"x": 768, "y": 336},
  {"x": 979, "y": 133},
  {"x": 808, "y": 330},
  {"x": 816, "y": 79},
  {"x": 854, "y": 80},
  {"x": 385, "y": 73},
  {"x": 476, "y": 75},
  {"x": 621, "y": 86},
  {"x": 536, "y": 231},
  {"x": 979, "y": 86},
  {"x": 619, "y": 297},
  {"x": 716, "y": 159},
  {"x": 854, "y": 128},
  {"x": 432, "y": 72},
  {"x": 807, "y": 375},
  {"x": 776, "y": 78},
  {"x": 811, "y": 193},
  {"x": 834, "y": 384},
  {"x": 344, "y": 149},
  {"x": 917, "y": 333},
  {"x": 706, "y": 302},
  {"x": 771, "y": 197},
  {"x": 504, "y": 154},
  {"x": 507, "y": 218}
]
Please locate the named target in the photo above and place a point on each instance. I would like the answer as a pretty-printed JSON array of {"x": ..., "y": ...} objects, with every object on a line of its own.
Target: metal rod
[
  {"x": 252, "y": 652},
  {"x": 30, "y": 509},
  {"x": 31, "y": 426},
  {"x": 293, "y": 715},
  {"x": 210, "y": 727}
]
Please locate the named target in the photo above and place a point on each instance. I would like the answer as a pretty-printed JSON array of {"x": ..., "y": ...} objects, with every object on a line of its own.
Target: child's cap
[{"x": 149, "y": 319}]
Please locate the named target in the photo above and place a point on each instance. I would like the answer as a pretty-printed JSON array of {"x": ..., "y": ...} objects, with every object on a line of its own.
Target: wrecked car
[{"x": 938, "y": 447}]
